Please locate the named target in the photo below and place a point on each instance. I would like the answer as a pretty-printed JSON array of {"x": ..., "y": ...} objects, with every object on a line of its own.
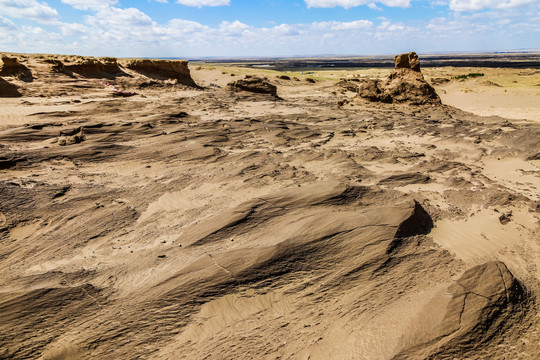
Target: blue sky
[{"x": 196, "y": 28}]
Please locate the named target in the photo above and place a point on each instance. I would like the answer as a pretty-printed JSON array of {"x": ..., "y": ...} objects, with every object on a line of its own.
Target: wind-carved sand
[{"x": 153, "y": 210}]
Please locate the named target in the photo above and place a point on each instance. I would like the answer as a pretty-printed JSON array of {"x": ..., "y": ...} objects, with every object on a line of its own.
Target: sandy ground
[
  {"x": 193, "y": 224},
  {"x": 508, "y": 93}
]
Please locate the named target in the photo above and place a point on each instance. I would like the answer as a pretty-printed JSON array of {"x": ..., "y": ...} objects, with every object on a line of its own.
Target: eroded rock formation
[
  {"x": 253, "y": 84},
  {"x": 12, "y": 67},
  {"x": 8, "y": 90},
  {"x": 161, "y": 69},
  {"x": 405, "y": 85},
  {"x": 407, "y": 61},
  {"x": 93, "y": 66},
  {"x": 56, "y": 65}
]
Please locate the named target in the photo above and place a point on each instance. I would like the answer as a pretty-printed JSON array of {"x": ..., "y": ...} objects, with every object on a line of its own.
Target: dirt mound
[
  {"x": 347, "y": 85},
  {"x": 92, "y": 67},
  {"x": 161, "y": 69},
  {"x": 486, "y": 302},
  {"x": 253, "y": 84},
  {"x": 405, "y": 85},
  {"x": 8, "y": 90},
  {"x": 373, "y": 90}
]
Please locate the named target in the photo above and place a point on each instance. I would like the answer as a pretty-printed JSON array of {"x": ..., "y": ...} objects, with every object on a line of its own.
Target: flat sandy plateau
[{"x": 197, "y": 223}]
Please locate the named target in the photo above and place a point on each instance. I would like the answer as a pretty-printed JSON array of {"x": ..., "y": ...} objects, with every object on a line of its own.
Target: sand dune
[{"x": 213, "y": 221}]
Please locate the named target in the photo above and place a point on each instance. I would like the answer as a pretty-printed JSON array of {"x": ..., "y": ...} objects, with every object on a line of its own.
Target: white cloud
[
  {"x": 130, "y": 19},
  {"x": 338, "y": 25},
  {"x": 472, "y": 5},
  {"x": 285, "y": 30},
  {"x": 73, "y": 29},
  {"x": 201, "y": 3},
  {"x": 89, "y": 4},
  {"x": 388, "y": 26},
  {"x": 233, "y": 29},
  {"x": 374, "y": 6},
  {"x": 347, "y": 4},
  {"x": 28, "y": 9},
  {"x": 7, "y": 24},
  {"x": 186, "y": 26}
]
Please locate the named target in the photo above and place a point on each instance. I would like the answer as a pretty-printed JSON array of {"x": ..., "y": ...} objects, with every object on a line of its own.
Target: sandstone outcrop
[
  {"x": 93, "y": 67},
  {"x": 161, "y": 69},
  {"x": 407, "y": 61},
  {"x": 405, "y": 85},
  {"x": 8, "y": 90},
  {"x": 485, "y": 303},
  {"x": 253, "y": 84},
  {"x": 11, "y": 66},
  {"x": 71, "y": 137},
  {"x": 56, "y": 65}
]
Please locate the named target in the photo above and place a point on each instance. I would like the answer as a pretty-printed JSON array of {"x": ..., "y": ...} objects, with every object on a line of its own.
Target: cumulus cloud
[
  {"x": 113, "y": 17},
  {"x": 472, "y": 5},
  {"x": 353, "y": 3},
  {"x": 235, "y": 28},
  {"x": 28, "y": 9},
  {"x": 201, "y": 3},
  {"x": 186, "y": 26},
  {"x": 285, "y": 30}
]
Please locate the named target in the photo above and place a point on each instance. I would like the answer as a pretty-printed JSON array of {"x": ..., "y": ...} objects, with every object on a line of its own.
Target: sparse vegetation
[
  {"x": 108, "y": 59},
  {"x": 469, "y": 75}
]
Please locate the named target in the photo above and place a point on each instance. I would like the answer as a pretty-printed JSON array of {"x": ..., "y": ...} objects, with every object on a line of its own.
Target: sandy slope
[{"x": 190, "y": 224}]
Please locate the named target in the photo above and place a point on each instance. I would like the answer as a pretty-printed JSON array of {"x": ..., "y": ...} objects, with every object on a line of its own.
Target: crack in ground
[
  {"x": 472, "y": 292},
  {"x": 223, "y": 268},
  {"x": 504, "y": 283}
]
